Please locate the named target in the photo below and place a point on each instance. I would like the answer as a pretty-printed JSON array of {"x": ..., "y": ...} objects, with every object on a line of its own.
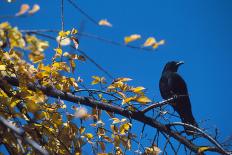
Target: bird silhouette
[{"x": 172, "y": 85}]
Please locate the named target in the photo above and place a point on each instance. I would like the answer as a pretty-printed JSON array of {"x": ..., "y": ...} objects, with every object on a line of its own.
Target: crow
[{"x": 171, "y": 84}]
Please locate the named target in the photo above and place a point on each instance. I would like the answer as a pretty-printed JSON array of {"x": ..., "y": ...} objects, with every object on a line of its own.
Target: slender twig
[
  {"x": 93, "y": 36},
  {"x": 94, "y": 62},
  {"x": 82, "y": 52},
  {"x": 168, "y": 137},
  {"x": 97, "y": 91},
  {"x": 14, "y": 16},
  {"x": 21, "y": 133},
  {"x": 162, "y": 103},
  {"x": 211, "y": 139},
  {"x": 83, "y": 12},
  {"x": 62, "y": 15},
  {"x": 113, "y": 42},
  {"x": 158, "y": 104}
]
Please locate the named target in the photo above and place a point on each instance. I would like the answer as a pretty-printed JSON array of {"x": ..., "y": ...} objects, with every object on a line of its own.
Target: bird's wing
[{"x": 177, "y": 84}]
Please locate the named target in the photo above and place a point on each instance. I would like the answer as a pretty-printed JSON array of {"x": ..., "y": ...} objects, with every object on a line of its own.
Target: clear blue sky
[{"x": 197, "y": 32}]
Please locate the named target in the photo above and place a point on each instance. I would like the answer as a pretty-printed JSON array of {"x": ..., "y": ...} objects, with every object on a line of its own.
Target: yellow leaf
[
  {"x": 122, "y": 79},
  {"x": 66, "y": 54},
  {"x": 203, "y": 149},
  {"x": 89, "y": 135},
  {"x": 149, "y": 42},
  {"x": 64, "y": 33},
  {"x": 156, "y": 45},
  {"x": 104, "y": 22},
  {"x": 131, "y": 38},
  {"x": 115, "y": 120},
  {"x": 124, "y": 128},
  {"x": 143, "y": 99},
  {"x": 74, "y": 31},
  {"x": 24, "y": 8},
  {"x": 5, "y": 25},
  {"x": 82, "y": 130},
  {"x": 137, "y": 89},
  {"x": 58, "y": 50},
  {"x": 34, "y": 9},
  {"x": 127, "y": 100},
  {"x": 97, "y": 80},
  {"x": 161, "y": 42},
  {"x": 2, "y": 67}
]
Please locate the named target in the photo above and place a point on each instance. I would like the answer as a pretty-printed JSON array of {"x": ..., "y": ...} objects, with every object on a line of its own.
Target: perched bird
[{"x": 172, "y": 84}]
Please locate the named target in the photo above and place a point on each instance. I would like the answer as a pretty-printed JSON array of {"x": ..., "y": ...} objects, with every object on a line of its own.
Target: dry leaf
[
  {"x": 104, "y": 22},
  {"x": 24, "y": 8},
  {"x": 34, "y": 9},
  {"x": 63, "y": 41},
  {"x": 131, "y": 38},
  {"x": 81, "y": 112},
  {"x": 76, "y": 42},
  {"x": 149, "y": 42}
]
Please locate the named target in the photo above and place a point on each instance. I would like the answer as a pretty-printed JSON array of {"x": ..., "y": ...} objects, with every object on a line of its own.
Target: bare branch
[{"x": 211, "y": 139}]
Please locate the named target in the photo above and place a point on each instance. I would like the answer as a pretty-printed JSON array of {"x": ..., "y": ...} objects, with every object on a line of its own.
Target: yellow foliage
[
  {"x": 131, "y": 38},
  {"x": 202, "y": 149}
]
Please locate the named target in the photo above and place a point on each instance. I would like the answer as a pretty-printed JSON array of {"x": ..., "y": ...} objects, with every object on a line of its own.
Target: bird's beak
[{"x": 180, "y": 63}]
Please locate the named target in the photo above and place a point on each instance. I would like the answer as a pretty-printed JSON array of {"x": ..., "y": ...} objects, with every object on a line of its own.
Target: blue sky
[{"x": 197, "y": 32}]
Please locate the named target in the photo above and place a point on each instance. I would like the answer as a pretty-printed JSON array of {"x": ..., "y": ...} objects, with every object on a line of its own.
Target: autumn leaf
[
  {"x": 24, "y": 8},
  {"x": 34, "y": 9},
  {"x": 122, "y": 79},
  {"x": 124, "y": 128},
  {"x": 153, "y": 150},
  {"x": 137, "y": 89},
  {"x": 74, "y": 31},
  {"x": 131, "y": 38},
  {"x": 58, "y": 50},
  {"x": 203, "y": 149},
  {"x": 63, "y": 41},
  {"x": 143, "y": 99},
  {"x": 89, "y": 135},
  {"x": 81, "y": 112},
  {"x": 2, "y": 67},
  {"x": 75, "y": 41},
  {"x": 156, "y": 45},
  {"x": 104, "y": 22},
  {"x": 64, "y": 33},
  {"x": 149, "y": 42},
  {"x": 98, "y": 79}
]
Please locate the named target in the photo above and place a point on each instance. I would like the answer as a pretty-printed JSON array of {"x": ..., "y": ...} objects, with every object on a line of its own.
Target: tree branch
[
  {"x": 136, "y": 115},
  {"x": 20, "y": 132}
]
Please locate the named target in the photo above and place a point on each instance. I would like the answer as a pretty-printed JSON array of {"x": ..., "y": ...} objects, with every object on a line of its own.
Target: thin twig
[
  {"x": 162, "y": 103},
  {"x": 211, "y": 139},
  {"x": 62, "y": 15},
  {"x": 93, "y": 36},
  {"x": 21, "y": 133},
  {"x": 82, "y": 52},
  {"x": 83, "y": 12},
  {"x": 97, "y": 91}
]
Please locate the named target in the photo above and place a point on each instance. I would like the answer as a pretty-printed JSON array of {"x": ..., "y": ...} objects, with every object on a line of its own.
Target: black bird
[{"x": 172, "y": 84}]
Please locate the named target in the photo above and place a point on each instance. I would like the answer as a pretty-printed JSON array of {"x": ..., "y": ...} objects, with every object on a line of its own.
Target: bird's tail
[
  {"x": 185, "y": 112},
  {"x": 189, "y": 120}
]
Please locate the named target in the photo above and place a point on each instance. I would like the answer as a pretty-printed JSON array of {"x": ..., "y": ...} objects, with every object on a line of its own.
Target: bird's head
[{"x": 172, "y": 66}]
